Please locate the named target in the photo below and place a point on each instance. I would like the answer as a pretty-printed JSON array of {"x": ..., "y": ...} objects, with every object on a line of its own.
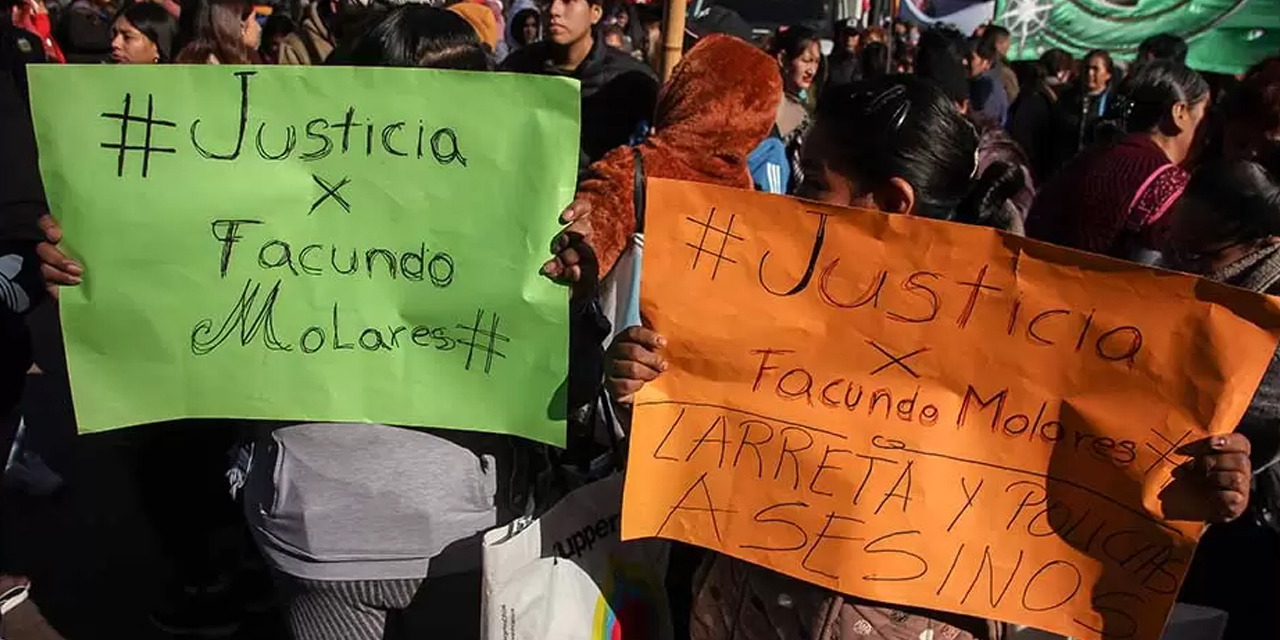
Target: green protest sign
[{"x": 311, "y": 243}]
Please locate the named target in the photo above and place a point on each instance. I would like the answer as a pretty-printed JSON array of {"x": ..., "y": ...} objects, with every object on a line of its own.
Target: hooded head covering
[
  {"x": 515, "y": 24},
  {"x": 719, "y": 104}
]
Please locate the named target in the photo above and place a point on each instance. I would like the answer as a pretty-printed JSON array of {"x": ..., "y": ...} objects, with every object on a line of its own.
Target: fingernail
[
  {"x": 74, "y": 268},
  {"x": 1219, "y": 442},
  {"x": 663, "y": 366},
  {"x": 662, "y": 342}
]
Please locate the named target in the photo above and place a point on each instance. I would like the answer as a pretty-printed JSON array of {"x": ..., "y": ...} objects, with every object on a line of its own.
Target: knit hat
[
  {"x": 481, "y": 19},
  {"x": 717, "y": 19}
]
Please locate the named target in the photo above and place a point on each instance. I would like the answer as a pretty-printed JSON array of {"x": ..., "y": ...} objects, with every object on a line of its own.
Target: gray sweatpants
[{"x": 343, "y": 610}]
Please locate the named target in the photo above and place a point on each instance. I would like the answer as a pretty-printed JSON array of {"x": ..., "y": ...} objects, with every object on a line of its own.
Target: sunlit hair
[
  {"x": 212, "y": 29},
  {"x": 414, "y": 35},
  {"x": 1145, "y": 99},
  {"x": 907, "y": 128}
]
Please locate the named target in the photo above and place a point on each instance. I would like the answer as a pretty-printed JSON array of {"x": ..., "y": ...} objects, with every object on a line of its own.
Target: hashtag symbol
[
  {"x": 479, "y": 335},
  {"x": 700, "y": 249},
  {"x": 126, "y": 117}
]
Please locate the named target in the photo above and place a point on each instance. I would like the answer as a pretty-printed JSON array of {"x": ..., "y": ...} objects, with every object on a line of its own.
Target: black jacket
[
  {"x": 22, "y": 199},
  {"x": 1035, "y": 125},
  {"x": 21, "y": 202},
  {"x": 845, "y": 68},
  {"x": 618, "y": 93}
]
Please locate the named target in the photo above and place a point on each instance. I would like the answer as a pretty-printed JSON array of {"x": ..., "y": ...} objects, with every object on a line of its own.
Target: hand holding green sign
[{"x": 297, "y": 243}]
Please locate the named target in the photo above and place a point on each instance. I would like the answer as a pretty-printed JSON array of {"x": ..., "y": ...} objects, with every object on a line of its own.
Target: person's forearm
[{"x": 26, "y": 623}]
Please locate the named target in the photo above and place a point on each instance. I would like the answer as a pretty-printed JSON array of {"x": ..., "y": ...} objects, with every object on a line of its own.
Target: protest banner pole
[{"x": 673, "y": 36}]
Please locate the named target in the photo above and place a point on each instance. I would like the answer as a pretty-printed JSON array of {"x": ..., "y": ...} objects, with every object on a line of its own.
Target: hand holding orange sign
[{"x": 932, "y": 415}]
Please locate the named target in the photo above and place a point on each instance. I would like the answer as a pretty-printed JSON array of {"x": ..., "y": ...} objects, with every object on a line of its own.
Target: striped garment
[{"x": 343, "y": 610}]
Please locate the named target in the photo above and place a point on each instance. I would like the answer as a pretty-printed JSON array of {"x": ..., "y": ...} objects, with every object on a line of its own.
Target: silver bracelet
[{"x": 9, "y": 600}]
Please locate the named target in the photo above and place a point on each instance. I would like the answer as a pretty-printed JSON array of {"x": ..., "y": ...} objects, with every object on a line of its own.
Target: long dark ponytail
[
  {"x": 904, "y": 127},
  {"x": 1145, "y": 99}
]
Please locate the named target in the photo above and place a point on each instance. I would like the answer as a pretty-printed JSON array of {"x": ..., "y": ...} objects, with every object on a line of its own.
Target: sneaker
[
  {"x": 200, "y": 613},
  {"x": 28, "y": 472}
]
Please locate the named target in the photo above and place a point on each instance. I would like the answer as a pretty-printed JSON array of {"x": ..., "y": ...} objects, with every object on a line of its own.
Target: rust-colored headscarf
[{"x": 720, "y": 103}]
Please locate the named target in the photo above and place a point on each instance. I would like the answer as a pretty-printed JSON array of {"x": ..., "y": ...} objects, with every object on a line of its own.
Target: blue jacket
[
  {"x": 988, "y": 99},
  {"x": 770, "y": 169}
]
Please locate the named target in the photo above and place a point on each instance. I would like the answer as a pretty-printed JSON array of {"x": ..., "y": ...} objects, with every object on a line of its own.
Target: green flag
[
  {"x": 311, "y": 243},
  {"x": 1224, "y": 36}
]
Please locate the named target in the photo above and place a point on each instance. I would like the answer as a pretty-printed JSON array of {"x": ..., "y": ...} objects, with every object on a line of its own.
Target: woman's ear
[
  {"x": 897, "y": 196},
  {"x": 1180, "y": 117}
]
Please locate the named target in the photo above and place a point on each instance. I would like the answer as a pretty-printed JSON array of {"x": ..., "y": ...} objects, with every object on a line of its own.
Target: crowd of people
[{"x": 344, "y": 526}]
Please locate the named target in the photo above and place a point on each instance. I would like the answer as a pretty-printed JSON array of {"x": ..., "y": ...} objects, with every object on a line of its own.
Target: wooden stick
[{"x": 672, "y": 36}]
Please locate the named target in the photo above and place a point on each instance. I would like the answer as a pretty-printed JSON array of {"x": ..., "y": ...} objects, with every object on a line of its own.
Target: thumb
[{"x": 52, "y": 232}]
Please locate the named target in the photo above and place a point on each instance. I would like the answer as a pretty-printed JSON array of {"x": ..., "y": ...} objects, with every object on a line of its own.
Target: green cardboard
[{"x": 311, "y": 243}]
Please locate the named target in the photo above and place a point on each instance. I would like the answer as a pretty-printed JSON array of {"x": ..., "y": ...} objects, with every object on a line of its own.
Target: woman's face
[
  {"x": 529, "y": 30},
  {"x": 1096, "y": 75},
  {"x": 1187, "y": 118},
  {"x": 851, "y": 42},
  {"x": 804, "y": 68},
  {"x": 251, "y": 31},
  {"x": 130, "y": 46}
]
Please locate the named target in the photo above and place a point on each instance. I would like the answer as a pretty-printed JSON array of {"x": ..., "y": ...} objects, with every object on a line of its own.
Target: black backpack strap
[{"x": 638, "y": 198}]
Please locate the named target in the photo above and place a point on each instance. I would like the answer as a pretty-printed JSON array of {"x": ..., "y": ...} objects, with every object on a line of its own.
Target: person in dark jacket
[
  {"x": 987, "y": 96},
  {"x": 845, "y": 63},
  {"x": 22, "y": 200},
  {"x": 21, "y": 206},
  {"x": 85, "y": 31},
  {"x": 1083, "y": 107},
  {"x": 1034, "y": 120},
  {"x": 1227, "y": 228},
  {"x": 618, "y": 92},
  {"x": 1002, "y": 40}
]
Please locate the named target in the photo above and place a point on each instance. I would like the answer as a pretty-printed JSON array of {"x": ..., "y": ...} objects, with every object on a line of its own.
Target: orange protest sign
[{"x": 928, "y": 414}]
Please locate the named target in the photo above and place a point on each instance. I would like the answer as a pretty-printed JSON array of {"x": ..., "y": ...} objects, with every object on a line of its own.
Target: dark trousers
[
  {"x": 1237, "y": 569},
  {"x": 180, "y": 469}
]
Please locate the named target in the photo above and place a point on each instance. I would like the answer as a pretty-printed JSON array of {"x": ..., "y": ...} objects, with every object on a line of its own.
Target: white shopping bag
[{"x": 568, "y": 576}]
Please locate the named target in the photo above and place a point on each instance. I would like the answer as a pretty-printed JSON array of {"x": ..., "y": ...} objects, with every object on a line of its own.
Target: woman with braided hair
[{"x": 1113, "y": 198}]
